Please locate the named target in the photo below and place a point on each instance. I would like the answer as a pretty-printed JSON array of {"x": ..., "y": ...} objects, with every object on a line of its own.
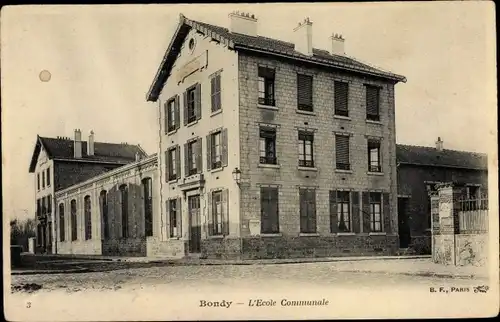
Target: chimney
[
  {"x": 243, "y": 23},
  {"x": 78, "y": 144},
  {"x": 439, "y": 144},
  {"x": 338, "y": 47},
  {"x": 303, "y": 37},
  {"x": 90, "y": 146}
]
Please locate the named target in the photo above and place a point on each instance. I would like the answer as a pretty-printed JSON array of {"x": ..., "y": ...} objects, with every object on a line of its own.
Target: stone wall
[
  {"x": 170, "y": 248},
  {"x": 80, "y": 247},
  {"x": 124, "y": 247},
  {"x": 221, "y": 248}
]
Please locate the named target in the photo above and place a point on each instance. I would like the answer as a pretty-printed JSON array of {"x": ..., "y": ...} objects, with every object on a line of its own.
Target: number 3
[{"x": 28, "y": 305}]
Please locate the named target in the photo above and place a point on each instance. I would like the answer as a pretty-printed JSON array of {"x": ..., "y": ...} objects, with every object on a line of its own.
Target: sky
[{"x": 102, "y": 60}]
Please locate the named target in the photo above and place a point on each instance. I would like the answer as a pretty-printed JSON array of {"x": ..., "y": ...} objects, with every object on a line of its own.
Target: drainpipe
[{"x": 160, "y": 172}]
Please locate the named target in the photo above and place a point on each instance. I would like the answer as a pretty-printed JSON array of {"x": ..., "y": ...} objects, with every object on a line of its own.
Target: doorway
[
  {"x": 403, "y": 223},
  {"x": 194, "y": 224}
]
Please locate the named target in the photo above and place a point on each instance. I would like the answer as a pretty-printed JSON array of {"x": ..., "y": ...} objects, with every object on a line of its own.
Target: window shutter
[
  {"x": 356, "y": 224},
  {"x": 177, "y": 112},
  {"x": 312, "y": 207},
  {"x": 167, "y": 166},
  {"x": 366, "y": 212},
  {"x": 386, "y": 215},
  {"x": 197, "y": 101},
  {"x": 177, "y": 162},
  {"x": 169, "y": 222},
  {"x": 225, "y": 212},
  {"x": 210, "y": 215},
  {"x": 209, "y": 152},
  {"x": 165, "y": 110},
  {"x": 341, "y": 92},
  {"x": 342, "y": 149},
  {"x": 303, "y": 211},
  {"x": 219, "y": 91},
  {"x": 333, "y": 212},
  {"x": 304, "y": 90},
  {"x": 213, "y": 89},
  {"x": 372, "y": 100},
  {"x": 178, "y": 209},
  {"x": 185, "y": 109},
  {"x": 274, "y": 196},
  {"x": 224, "y": 147},
  {"x": 186, "y": 160},
  {"x": 199, "y": 159}
]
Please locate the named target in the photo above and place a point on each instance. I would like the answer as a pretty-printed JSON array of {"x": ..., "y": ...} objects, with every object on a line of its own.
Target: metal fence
[{"x": 473, "y": 215}]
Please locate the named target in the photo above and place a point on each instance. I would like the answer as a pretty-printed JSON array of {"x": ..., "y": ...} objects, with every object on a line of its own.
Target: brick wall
[
  {"x": 323, "y": 123},
  {"x": 69, "y": 173}
]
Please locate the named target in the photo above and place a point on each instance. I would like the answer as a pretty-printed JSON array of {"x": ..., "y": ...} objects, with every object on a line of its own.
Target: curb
[
  {"x": 54, "y": 271},
  {"x": 422, "y": 274}
]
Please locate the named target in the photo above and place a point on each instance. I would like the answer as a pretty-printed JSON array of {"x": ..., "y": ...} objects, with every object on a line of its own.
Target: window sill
[
  {"x": 305, "y": 112},
  {"x": 308, "y": 234},
  {"x": 340, "y": 117},
  {"x": 377, "y": 234},
  {"x": 343, "y": 171},
  {"x": 267, "y": 107},
  {"x": 428, "y": 230},
  {"x": 375, "y": 173},
  {"x": 173, "y": 181},
  {"x": 175, "y": 238},
  {"x": 269, "y": 166},
  {"x": 307, "y": 168},
  {"x": 216, "y": 237},
  {"x": 216, "y": 170},
  {"x": 271, "y": 234},
  {"x": 219, "y": 111},
  {"x": 374, "y": 122},
  {"x": 192, "y": 123},
  {"x": 171, "y": 132},
  {"x": 346, "y": 234}
]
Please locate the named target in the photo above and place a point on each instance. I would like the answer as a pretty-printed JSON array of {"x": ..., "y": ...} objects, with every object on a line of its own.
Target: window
[
  {"x": 374, "y": 156},
  {"x": 191, "y": 44},
  {"x": 216, "y": 92},
  {"x": 266, "y": 86},
  {"x": 269, "y": 210},
  {"x": 172, "y": 114},
  {"x": 124, "y": 209},
  {"x": 49, "y": 231},
  {"x": 344, "y": 211},
  {"x": 307, "y": 210},
  {"x": 217, "y": 149},
  {"x": 173, "y": 163},
  {"x": 306, "y": 149},
  {"x": 305, "y": 92},
  {"x": 174, "y": 217},
  {"x": 38, "y": 181},
  {"x": 103, "y": 201},
  {"x": 375, "y": 211},
  {"x": 268, "y": 146},
  {"x": 148, "y": 206},
  {"x": 342, "y": 152},
  {"x": 39, "y": 235},
  {"x": 74, "y": 227},
  {"x": 88, "y": 217},
  {"x": 192, "y": 104},
  {"x": 192, "y": 157},
  {"x": 217, "y": 213},
  {"x": 43, "y": 179},
  {"x": 48, "y": 176},
  {"x": 49, "y": 204},
  {"x": 341, "y": 98},
  {"x": 61, "y": 222},
  {"x": 372, "y": 103},
  {"x": 38, "y": 207}
]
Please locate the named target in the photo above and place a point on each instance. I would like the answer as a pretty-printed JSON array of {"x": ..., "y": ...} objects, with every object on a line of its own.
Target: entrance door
[
  {"x": 403, "y": 223},
  {"x": 194, "y": 224}
]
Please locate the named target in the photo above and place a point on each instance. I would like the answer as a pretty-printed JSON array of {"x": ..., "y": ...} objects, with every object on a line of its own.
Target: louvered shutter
[
  {"x": 303, "y": 210},
  {"x": 225, "y": 212},
  {"x": 386, "y": 212},
  {"x": 199, "y": 159},
  {"x": 210, "y": 214},
  {"x": 178, "y": 162},
  {"x": 177, "y": 112},
  {"x": 166, "y": 116},
  {"x": 372, "y": 101},
  {"x": 312, "y": 209},
  {"x": 185, "y": 109},
  {"x": 224, "y": 147},
  {"x": 341, "y": 93},
  {"x": 169, "y": 222},
  {"x": 274, "y": 209},
  {"x": 197, "y": 101},
  {"x": 356, "y": 223},
  {"x": 305, "y": 91},
  {"x": 209, "y": 152},
  {"x": 333, "y": 212},
  {"x": 167, "y": 165},
  {"x": 342, "y": 152},
  {"x": 213, "y": 89},
  {"x": 366, "y": 212},
  {"x": 186, "y": 160}
]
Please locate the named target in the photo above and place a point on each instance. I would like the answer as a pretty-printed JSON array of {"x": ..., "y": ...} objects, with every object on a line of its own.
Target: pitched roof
[
  {"x": 428, "y": 156},
  {"x": 62, "y": 149},
  {"x": 255, "y": 44}
]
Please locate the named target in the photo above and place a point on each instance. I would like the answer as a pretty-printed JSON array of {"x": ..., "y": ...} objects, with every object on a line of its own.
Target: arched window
[
  {"x": 124, "y": 208},
  {"x": 61, "y": 222},
  {"x": 103, "y": 202},
  {"x": 87, "y": 217},
  {"x": 74, "y": 229},
  {"x": 147, "y": 189}
]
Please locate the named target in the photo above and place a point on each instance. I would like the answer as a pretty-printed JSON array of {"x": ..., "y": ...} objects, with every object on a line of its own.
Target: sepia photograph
[{"x": 246, "y": 161}]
